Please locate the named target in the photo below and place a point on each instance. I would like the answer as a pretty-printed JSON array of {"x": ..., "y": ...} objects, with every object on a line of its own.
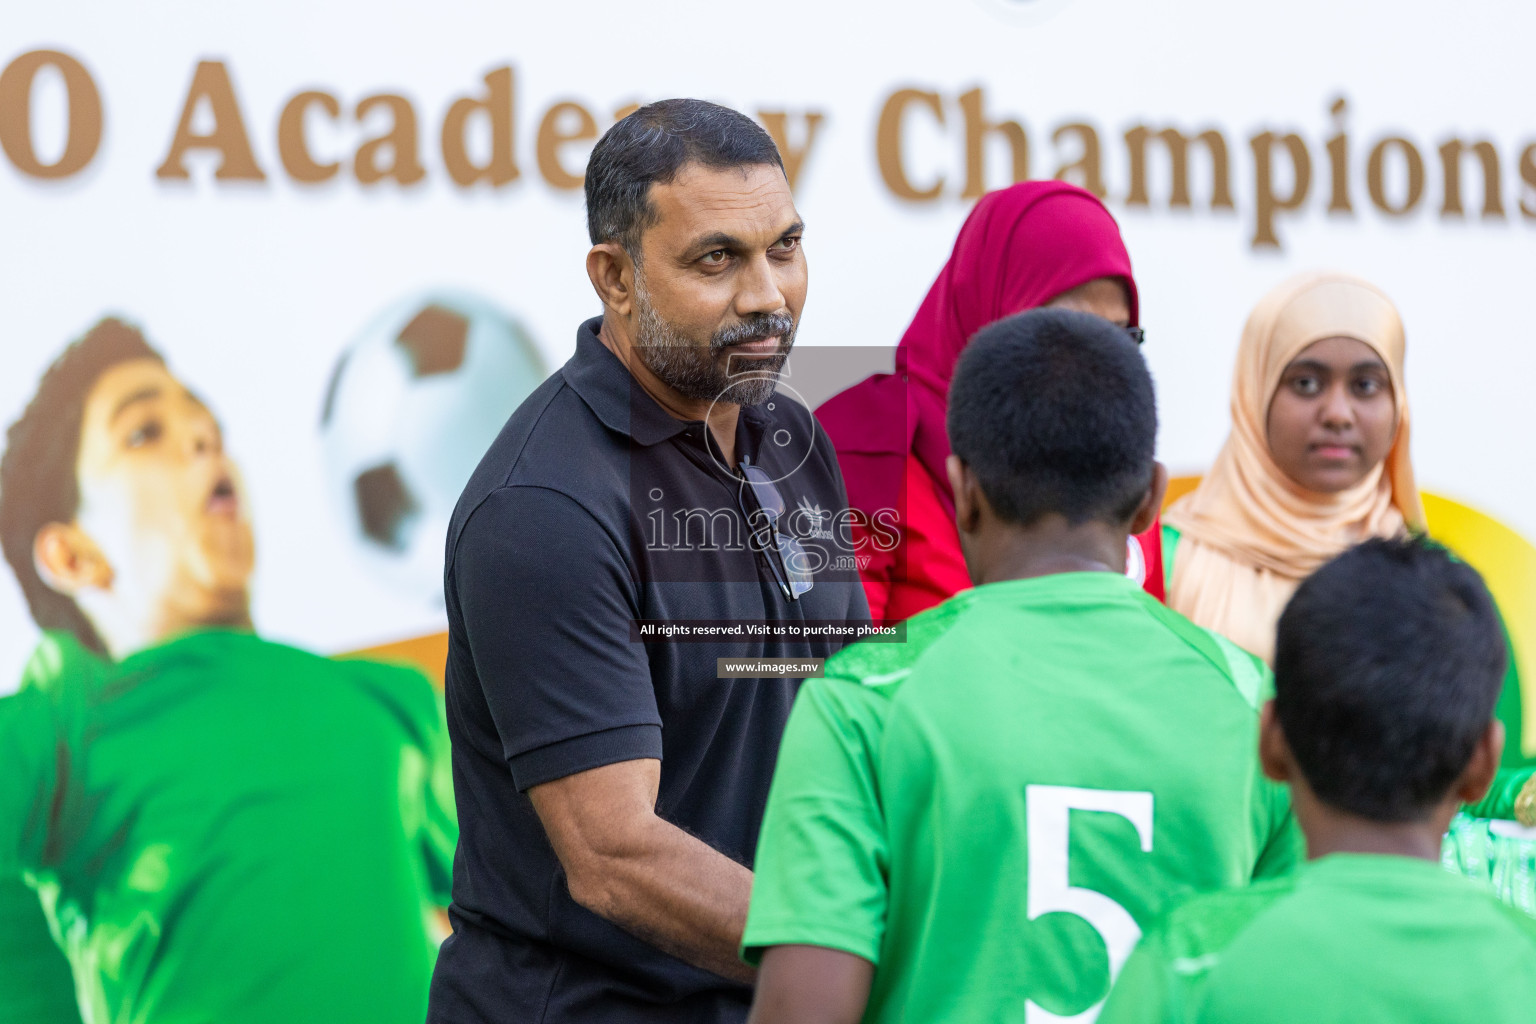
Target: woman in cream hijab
[{"x": 1317, "y": 459}]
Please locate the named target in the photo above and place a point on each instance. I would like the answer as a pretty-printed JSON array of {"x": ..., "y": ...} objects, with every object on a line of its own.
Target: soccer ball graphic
[{"x": 412, "y": 405}]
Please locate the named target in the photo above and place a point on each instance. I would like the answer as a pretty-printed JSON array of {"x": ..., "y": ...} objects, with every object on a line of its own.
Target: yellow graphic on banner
[{"x": 1508, "y": 564}]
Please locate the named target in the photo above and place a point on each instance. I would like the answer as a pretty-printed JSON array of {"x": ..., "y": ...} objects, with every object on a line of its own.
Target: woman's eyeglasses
[{"x": 787, "y": 561}]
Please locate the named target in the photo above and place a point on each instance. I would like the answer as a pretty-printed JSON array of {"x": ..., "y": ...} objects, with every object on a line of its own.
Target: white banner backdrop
[{"x": 1359, "y": 136}]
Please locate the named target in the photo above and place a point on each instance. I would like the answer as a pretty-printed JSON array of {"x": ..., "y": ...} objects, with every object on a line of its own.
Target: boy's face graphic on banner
[{"x": 162, "y": 541}]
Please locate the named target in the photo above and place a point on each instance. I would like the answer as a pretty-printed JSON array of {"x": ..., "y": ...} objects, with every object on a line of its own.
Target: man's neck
[
  {"x": 1330, "y": 830},
  {"x": 719, "y": 416},
  {"x": 1410, "y": 839},
  {"x": 1049, "y": 546}
]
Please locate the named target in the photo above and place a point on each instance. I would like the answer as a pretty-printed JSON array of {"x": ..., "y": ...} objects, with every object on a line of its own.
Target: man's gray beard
[{"x": 694, "y": 372}]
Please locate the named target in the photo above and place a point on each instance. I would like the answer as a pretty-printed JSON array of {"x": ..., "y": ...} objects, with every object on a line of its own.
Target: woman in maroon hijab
[{"x": 1038, "y": 243}]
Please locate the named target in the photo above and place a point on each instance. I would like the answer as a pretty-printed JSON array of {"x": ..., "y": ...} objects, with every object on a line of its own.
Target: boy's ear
[
  {"x": 1152, "y": 504},
  {"x": 612, "y": 273},
  {"x": 1274, "y": 751},
  {"x": 1484, "y": 764},
  {"x": 68, "y": 560},
  {"x": 967, "y": 491}
]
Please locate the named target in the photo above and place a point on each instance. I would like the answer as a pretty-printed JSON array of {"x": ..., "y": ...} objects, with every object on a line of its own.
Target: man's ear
[
  {"x": 68, "y": 560},
  {"x": 612, "y": 273},
  {"x": 1152, "y": 504},
  {"x": 1274, "y": 751},
  {"x": 967, "y": 491},
  {"x": 1484, "y": 764}
]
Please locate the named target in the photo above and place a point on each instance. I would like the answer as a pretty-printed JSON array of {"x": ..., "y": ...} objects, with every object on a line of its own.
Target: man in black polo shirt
[{"x": 609, "y": 785}]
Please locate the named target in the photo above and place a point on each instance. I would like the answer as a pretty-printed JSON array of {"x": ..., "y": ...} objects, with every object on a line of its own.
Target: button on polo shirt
[{"x": 594, "y": 510}]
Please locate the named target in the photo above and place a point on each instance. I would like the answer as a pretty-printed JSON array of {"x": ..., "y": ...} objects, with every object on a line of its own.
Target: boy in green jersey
[
  {"x": 975, "y": 825},
  {"x": 1388, "y": 666},
  {"x": 218, "y": 828}
]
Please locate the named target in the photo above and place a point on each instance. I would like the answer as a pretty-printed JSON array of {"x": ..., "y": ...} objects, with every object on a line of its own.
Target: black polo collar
[{"x": 610, "y": 391}]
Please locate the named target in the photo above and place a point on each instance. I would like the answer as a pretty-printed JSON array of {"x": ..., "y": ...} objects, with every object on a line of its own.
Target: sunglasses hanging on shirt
[{"x": 787, "y": 559}]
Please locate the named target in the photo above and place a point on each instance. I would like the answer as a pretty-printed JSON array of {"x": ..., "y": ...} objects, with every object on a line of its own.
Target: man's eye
[
  {"x": 784, "y": 245},
  {"x": 714, "y": 259},
  {"x": 146, "y": 433}
]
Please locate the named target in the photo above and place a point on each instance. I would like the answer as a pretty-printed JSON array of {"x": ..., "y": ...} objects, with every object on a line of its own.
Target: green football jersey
[
  {"x": 35, "y": 982},
  {"x": 225, "y": 829},
  {"x": 1474, "y": 848},
  {"x": 992, "y": 811},
  {"x": 1349, "y": 939}
]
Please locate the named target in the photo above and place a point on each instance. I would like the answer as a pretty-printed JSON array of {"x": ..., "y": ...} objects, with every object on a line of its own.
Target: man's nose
[{"x": 759, "y": 291}]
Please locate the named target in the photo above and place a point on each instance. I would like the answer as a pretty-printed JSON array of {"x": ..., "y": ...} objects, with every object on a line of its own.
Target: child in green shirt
[
  {"x": 218, "y": 828},
  {"x": 1388, "y": 666},
  {"x": 974, "y": 825}
]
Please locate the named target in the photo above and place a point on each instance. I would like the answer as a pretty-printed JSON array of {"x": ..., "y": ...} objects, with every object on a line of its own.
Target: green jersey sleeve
[{"x": 821, "y": 869}]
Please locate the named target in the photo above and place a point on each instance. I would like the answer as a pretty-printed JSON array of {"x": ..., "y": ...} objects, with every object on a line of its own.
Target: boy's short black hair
[
  {"x": 649, "y": 147},
  {"x": 38, "y": 482},
  {"x": 1054, "y": 412},
  {"x": 1388, "y": 663}
]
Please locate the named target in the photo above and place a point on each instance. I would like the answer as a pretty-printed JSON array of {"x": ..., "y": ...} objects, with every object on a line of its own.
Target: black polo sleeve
[{"x": 546, "y": 599}]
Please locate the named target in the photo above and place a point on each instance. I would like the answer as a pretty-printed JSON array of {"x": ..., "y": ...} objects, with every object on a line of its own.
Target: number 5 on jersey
[{"x": 1048, "y": 816}]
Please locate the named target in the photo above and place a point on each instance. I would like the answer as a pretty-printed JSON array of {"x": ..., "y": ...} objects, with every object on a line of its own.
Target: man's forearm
[{"x": 675, "y": 892}]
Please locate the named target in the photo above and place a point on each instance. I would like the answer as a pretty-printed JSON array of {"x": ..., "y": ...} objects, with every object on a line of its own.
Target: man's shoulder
[
  {"x": 1282, "y": 913},
  {"x": 1244, "y": 674},
  {"x": 553, "y": 441},
  {"x": 1517, "y": 927},
  {"x": 552, "y": 421},
  {"x": 1194, "y": 933},
  {"x": 882, "y": 666}
]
